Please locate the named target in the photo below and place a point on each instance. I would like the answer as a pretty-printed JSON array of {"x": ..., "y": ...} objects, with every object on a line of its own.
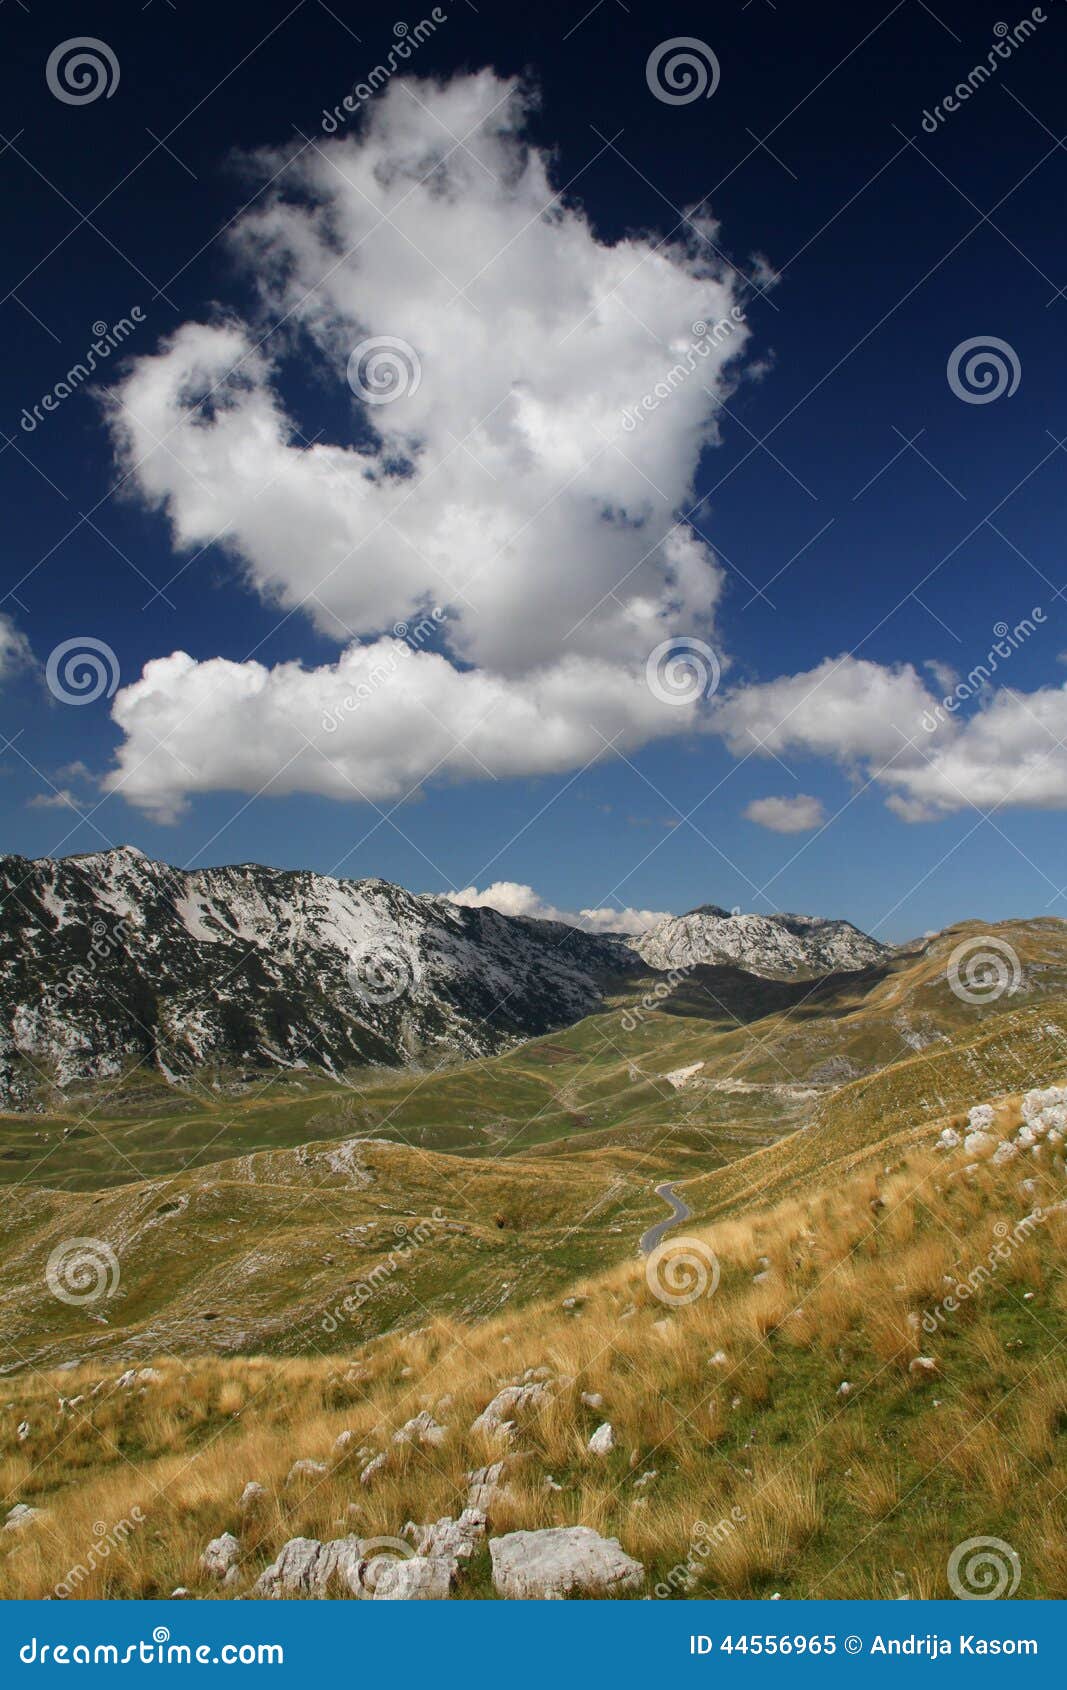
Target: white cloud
[
  {"x": 372, "y": 725},
  {"x": 15, "y": 653},
  {"x": 511, "y": 897},
  {"x": 882, "y": 724},
  {"x": 502, "y": 487},
  {"x": 846, "y": 707},
  {"x": 798, "y": 814},
  {"x": 62, "y": 799}
]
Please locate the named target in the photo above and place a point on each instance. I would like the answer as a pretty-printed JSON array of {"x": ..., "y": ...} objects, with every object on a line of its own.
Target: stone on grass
[
  {"x": 512, "y": 1400},
  {"x": 592, "y": 1399},
  {"x": 422, "y": 1429},
  {"x": 306, "y": 1567},
  {"x": 251, "y": 1496},
  {"x": 21, "y": 1515},
  {"x": 417, "y": 1580},
  {"x": 305, "y": 1470},
  {"x": 372, "y": 1469},
  {"x": 562, "y": 1561},
  {"x": 447, "y": 1539},
  {"x": 220, "y": 1555},
  {"x": 977, "y": 1144},
  {"x": 603, "y": 1440},
  {"x": 487, "y": 1487}
]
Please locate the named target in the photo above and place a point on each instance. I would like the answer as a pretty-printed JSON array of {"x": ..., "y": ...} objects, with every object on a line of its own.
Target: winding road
[{"x": 680, "y": 1211}]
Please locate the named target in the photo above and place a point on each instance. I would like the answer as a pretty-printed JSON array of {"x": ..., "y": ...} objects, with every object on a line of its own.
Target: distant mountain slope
[
  {"x": 775, "y": 945},
  {"x": 110, "y": 959}
]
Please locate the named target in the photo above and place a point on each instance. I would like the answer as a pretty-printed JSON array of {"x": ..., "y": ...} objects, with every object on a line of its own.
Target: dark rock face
[{"x": 111, "y": 960}]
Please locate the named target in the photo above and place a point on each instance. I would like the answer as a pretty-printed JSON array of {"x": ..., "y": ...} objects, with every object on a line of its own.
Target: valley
[{"x": 208, "y": 1276}]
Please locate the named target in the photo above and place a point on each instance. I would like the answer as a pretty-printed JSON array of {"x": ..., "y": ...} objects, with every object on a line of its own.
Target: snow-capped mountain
[
  {"x": 110, "y": 960},
  {"x": 772, "y": 945}
]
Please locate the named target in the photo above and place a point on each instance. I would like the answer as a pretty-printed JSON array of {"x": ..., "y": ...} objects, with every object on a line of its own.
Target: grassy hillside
[
  {"x": 286, "y": 1294},
  {"x": 769, "y": 1051},
  {"x": 255, "y": 1255},
  {"x": 768, "y": 1475}
]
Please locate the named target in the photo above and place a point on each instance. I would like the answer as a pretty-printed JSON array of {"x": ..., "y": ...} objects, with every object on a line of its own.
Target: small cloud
[
  {"x": 511, "y": 897},
  {"x": 787, "y": 815},
  {"x": 15, "y": 653},
  {"x": 943, "y": 673},
  {"x": 62, "y": 799}
]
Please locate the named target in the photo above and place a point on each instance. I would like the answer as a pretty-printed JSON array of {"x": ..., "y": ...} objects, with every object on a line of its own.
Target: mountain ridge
[{"x": 110, "y": 959}]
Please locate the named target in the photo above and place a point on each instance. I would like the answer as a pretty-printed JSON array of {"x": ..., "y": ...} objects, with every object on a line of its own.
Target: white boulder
[
  {"x": 602, "y": 1441},
  {"x": 448, "y": 1539},
  {"x": 306, "y": 1567},
  {"x": 305, "y": 1470},
  {"x": 416, "y": 1580},
  {"x": 512, "y": 1400},
  {"x": 562, "y": 1561},
  {"x": 372, "y": 1469},
  {"x": 221, "y": 1554},
  {"x": 19, "y": 1516},
  {"x": 422, "y": 1429}
]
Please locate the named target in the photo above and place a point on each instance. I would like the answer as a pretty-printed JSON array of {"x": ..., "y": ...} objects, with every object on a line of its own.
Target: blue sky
[{"x": 831, "y": 534}]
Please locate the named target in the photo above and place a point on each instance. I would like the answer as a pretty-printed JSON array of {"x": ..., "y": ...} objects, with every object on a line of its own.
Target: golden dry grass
[{"x": 768, "y": 1475}]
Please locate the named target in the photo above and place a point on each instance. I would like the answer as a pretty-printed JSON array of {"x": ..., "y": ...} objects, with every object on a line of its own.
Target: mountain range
[{"x": 110, "y": 960}]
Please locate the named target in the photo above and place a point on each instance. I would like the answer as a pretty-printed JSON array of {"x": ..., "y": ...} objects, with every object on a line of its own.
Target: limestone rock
[
  {"x": 372, "y": 1468},
  {"x": 422, "y": 1429},
  {"x": 417, "y": 1580},
  {"x": 307, "y": 1567},
  {"x": 448, "y": 1539},
  {"x": 220, "y": 1555},
  {"x": 562, "y": 1561},
  {"x": 305, "y": 1470},
  {"x": 512, "y": 1400},
  {"x": 19, "y": 1516}
]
